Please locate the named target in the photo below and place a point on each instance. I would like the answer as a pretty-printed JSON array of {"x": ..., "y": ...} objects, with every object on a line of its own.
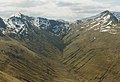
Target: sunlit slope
[
  {"x": 18, "y": 63},
  {"x": 23, "y": 64},
  {"x": 94, "y": 57},
  {"x": 7, "y": 78}
]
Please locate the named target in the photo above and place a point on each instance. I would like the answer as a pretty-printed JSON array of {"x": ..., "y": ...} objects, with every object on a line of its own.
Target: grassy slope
[
  {"x": 7, "y": 78},
  {"x": 18, "y": 61},
  {"x": 41, "y": 42},
  {"x": 93, "y": 56},
  {"x": 28, "y": 65}
]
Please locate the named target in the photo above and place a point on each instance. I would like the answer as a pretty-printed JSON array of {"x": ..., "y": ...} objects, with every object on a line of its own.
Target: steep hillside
[
  {"x": 19, "y": 64},
  {"x": 40, "y": 35},
  {"x": 103, "y": 22},
  {"x": 93, "y": 53}
]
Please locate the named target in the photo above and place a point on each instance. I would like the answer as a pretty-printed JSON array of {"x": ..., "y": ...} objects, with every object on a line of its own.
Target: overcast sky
[{"x": 58, "y": 9}]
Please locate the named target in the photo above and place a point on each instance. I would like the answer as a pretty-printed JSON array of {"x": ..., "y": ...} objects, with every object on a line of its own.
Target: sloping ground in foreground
[
  {"x": 19, "y": 64},
  {"x": 94, "y": 56},
  {"x": 7, "y": 78}
]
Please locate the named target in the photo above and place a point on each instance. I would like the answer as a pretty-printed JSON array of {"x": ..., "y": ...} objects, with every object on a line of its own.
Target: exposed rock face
[{"x": 21, "y": 24}]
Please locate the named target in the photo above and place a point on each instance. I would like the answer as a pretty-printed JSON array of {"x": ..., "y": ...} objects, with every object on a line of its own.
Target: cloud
[
  {"x": 58, "y": 9},
  {"x": 29, "y": 3},
  {"x": 66, "y": 4},
  {"x": 83, "y": 8}
]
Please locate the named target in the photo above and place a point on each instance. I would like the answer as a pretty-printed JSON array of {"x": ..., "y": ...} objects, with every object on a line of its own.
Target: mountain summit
[
  {"x": 20, "y": 24},
  {"x": 104, "y": 22}
]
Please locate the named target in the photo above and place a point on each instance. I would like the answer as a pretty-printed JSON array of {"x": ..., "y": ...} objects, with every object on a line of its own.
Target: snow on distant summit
[
  {"x": 104, "y": 22},
  {"x": 20, "y": 24},
  {"x": 18, "y": 14}
]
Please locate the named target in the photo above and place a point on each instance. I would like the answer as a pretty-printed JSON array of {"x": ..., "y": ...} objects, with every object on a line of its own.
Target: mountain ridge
[{"x": 19, "y": 23}]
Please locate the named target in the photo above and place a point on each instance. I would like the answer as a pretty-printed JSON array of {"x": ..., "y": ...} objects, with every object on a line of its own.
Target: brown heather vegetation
[
  {"x": 20, "y": 62},
  {"x": 93, "y": 56}
]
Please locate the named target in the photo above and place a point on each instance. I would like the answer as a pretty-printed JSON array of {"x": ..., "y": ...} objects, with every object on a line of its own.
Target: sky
[{"x": 58, "y": 9}]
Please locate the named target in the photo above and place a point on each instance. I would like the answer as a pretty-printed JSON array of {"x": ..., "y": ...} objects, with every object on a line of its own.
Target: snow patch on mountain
[
  {"x": 15, "y": 25},
  {"x": 41, "y": 23},
  {"x": 18, "y": 14},
  {"x": 20, "y": 23},
  {"x": 103, "y": 22}
]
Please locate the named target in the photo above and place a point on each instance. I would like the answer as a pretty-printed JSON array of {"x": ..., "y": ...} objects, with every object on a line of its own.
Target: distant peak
[
  {"x": 18, "y": 14},
  {"x": 1, "y": 18},
  {"x": 61, "y": 20},
  {"x": 106, "y": 11}
]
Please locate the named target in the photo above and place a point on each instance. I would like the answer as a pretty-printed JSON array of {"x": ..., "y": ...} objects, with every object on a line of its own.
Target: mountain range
[{"x": 36, "y": 49}]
